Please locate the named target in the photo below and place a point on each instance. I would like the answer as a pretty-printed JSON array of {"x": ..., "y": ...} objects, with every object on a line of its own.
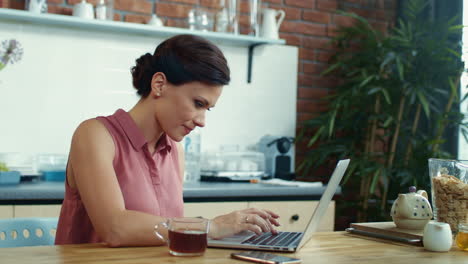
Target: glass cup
[
  {"x": 187, "y": 236},
  {"x": 449, "y": 188},
  {"x": 462, "y": 236}
]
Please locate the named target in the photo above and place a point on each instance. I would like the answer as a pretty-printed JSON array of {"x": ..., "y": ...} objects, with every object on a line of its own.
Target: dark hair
[{"x": 183, "y": 59}]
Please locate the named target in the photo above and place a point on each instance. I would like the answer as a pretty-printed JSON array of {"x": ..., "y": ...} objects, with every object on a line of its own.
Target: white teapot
[
  {"x": 411, "y": 210},
  {"x": 270, "y": 25}
]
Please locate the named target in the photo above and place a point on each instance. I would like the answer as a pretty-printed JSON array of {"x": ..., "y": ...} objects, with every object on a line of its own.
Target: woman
[{"x": 125, "y": 171}]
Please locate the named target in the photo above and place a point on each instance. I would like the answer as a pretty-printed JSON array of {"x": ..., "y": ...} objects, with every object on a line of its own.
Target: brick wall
[{"x": 309, "y": 24}]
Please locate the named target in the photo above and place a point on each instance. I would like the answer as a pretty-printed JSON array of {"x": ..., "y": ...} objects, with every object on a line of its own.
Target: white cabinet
[
  {"x": 6, "y": 211},
  {"x": 294, "y": 215},
  {"x": 36, "y": 210},
  {"x": 212, "y": 209}
]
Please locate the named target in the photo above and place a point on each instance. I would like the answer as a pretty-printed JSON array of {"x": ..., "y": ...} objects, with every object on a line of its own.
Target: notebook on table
[{"x": 286, "y": 241}]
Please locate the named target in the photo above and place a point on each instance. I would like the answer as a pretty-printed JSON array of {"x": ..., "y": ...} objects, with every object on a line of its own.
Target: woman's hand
[{"x": 253, "y": 219}]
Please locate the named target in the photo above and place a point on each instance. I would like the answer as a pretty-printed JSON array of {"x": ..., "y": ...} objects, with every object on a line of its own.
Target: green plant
[
  {"x": 397, "y": 97},
  {"x": 3, "y": 167}
]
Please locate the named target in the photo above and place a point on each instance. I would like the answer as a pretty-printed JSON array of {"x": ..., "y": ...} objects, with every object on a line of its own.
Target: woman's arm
[{"x": 91, "y": 157}]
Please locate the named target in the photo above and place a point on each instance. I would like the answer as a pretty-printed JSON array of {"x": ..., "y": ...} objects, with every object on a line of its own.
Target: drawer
[
  {"x": 211, "y": 210},
  {"x": 295, "y": 215},
  {"x": 37, "y": 210},
  {"x": 6, "y": 211}
]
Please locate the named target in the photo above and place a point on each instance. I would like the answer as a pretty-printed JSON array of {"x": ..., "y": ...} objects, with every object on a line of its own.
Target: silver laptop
[{"x": 286, "y": 241}]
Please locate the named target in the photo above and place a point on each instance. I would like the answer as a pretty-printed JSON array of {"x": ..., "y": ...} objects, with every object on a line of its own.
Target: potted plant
[{"x": 397, "y": 96}]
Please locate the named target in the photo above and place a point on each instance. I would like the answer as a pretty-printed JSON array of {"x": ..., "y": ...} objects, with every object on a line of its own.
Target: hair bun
[{"x": 142, "y": 73}]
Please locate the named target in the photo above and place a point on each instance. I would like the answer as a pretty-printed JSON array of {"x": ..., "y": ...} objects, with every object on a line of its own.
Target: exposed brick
[
  {"x": 193, "y": 2},
  {"x": 273, "y": 1},
  {"x": 74, "y": 2},
  {"x": 316, "y": 43},
  {"x": 301, "y": 117},
  {"x": 244, "y": 7},
  {"x": 301, "y": 3},
  {"x": 344, "y": 21},
  {"x": 327, "y": 5},
  {"x": 304, "y": 28},
  {"x": 173, "y": 10},
  {"x": 362, "y": 12},
  {"x": 210, "y": 3},
  {"x": 180, "y": 23},
  {"x": 140, "y": 6},
  {"x": 316, "y": 16},
  {"x": 313, "y": 68},
  {"x": 311, "y": 93},
  {"x": 310, "y": 106},
  {"x": 54, "y": 2},
  {"x": 291, "y": 39},
  {"x": 4, "y": 3},
  {"x": 306, "y": 54},
  {"x": 332, "y": 31},
  {"x": 381, "y": 26},
  {"x": 316, "y": 81},
  {"x": 55, "y": 9},
  {"x": 324, "y": 56},
  {"x": 15, "y": 4},
  {"x": 292, "y": 13},
  {"x": 133, "y": 18}
]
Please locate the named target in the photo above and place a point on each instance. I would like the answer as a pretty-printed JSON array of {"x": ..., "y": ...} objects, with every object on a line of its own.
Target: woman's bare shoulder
[{"x": 92, "y": 131}]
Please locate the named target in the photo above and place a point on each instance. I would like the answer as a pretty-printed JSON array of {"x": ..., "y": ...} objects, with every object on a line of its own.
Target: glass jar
[
  {"x": 449, "y": 188},
  {"x": 462, "y": 236}
]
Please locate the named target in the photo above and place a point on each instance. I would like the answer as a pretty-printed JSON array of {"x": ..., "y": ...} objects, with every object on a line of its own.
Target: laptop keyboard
[{"x": 268, "y": 239}]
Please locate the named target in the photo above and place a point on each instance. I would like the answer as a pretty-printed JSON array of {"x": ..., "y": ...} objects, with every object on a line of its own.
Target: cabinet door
[
  {"x": 37, "y": 210},
  {"x": 6, "y": 211},
  {"x": 295, "y": 215},
  {"x": 211, "y": 210}
]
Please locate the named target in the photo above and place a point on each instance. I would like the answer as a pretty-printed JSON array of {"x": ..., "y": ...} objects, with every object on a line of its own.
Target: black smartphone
[{"x": 264, "y": 257}]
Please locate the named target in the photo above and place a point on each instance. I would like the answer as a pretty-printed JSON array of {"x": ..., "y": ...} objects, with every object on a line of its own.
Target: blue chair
[{"x": 20, "y": 232}]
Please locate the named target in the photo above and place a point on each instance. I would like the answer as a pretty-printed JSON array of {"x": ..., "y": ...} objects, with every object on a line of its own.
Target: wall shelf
[{"x": 22, "y": 16}]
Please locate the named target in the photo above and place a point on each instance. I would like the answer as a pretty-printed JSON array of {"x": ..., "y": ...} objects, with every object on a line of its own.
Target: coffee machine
[{"x": 279, "y": 156}]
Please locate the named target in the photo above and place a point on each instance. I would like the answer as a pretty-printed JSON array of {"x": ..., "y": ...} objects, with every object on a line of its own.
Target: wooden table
[{"x": 327, "y": 247}]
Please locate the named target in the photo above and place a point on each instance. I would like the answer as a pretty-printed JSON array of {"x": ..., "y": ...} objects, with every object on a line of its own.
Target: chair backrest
[{"x": 20, "y": 232}]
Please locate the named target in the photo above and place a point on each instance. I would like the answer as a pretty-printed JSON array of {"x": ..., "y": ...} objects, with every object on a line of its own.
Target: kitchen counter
[{"x": 53, "y": 192}]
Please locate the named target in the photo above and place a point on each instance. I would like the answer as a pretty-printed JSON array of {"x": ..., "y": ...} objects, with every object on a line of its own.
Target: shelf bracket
[{"x": 250, "y": 58}]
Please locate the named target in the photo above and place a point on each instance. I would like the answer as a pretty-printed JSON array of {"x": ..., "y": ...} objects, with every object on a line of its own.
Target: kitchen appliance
[
  {"x": 279, "y": 156},
  {"x": 232, "y": 166}
]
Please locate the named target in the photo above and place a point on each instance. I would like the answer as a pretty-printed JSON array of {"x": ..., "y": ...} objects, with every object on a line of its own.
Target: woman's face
[{"x": 180, "y": 109}]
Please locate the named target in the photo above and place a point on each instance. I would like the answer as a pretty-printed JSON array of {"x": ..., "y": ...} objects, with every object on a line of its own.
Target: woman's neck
[{"x": 145, "y": 118}]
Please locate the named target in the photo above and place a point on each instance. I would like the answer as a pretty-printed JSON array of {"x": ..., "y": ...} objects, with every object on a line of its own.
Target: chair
[{"x": 20, "y": 232}]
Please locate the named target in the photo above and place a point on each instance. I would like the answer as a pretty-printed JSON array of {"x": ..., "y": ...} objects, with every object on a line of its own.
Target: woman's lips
[{"x": 187, "y": 130}]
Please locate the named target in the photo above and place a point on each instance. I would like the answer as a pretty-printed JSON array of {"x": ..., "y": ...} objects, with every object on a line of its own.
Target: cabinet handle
[{"x": 295, "y": 217}]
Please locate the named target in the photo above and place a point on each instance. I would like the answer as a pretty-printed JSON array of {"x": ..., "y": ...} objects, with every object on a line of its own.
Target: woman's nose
[{"x": 200, "y": 120}]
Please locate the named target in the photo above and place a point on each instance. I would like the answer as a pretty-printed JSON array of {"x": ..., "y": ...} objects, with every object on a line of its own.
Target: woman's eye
[{"x": 199, "y": 104}]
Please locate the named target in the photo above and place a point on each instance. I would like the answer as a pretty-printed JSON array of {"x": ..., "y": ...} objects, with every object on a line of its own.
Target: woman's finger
[{"x": 253, "y": 228}]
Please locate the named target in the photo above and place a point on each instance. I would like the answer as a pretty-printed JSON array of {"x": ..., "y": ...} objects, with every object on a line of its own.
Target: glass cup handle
[{"x": 157, "y": 227}]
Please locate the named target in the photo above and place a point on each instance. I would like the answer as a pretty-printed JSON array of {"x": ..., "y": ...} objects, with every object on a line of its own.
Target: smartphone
[{"x": 264, "y": 257}]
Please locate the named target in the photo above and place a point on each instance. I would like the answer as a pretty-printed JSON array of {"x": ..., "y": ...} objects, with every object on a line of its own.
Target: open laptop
[{"x": 286, "y": 241}]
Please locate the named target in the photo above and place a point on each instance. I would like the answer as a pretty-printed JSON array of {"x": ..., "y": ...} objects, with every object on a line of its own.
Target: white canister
[
  {"x": 437, "y": 237},
  {"x": 83, "y": 10}
]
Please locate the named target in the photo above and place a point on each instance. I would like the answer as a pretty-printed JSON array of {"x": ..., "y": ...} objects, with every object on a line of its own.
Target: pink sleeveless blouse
[{"x": 150, "y": 183}]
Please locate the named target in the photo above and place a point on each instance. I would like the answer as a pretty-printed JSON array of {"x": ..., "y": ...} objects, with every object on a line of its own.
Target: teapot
[
  {"x": 411, "y": 210},
  {"x": 270, "y": 25}
]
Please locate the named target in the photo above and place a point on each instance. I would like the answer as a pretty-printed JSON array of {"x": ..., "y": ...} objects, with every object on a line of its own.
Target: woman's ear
[{"x": 158, "y": 83}]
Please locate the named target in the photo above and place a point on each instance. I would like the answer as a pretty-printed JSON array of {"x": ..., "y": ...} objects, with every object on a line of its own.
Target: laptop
[{"x": 286, "y": 241}]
